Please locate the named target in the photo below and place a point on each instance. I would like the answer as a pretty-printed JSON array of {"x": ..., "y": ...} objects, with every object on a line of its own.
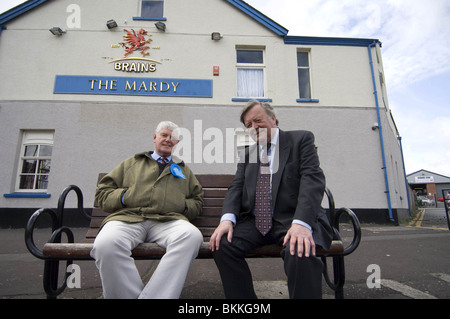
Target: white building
[{"x": 76, "y": 104}]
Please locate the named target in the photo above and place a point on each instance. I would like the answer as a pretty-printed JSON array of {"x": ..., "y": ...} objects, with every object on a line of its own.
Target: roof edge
[
  {"x": 260, "y": 17},
  {"x": 427, "y": 171},
  {"x": 307, "y": 40}
]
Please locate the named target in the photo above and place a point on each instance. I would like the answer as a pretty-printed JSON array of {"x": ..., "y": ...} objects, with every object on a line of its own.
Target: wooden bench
[{"x": 215, "y": 187}]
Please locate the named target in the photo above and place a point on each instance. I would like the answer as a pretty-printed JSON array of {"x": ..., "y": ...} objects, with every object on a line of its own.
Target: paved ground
[{"x": 412, "y": 261}]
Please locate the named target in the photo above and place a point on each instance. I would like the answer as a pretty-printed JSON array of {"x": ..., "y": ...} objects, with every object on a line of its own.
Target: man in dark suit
[{"x": 296, "y": 219}]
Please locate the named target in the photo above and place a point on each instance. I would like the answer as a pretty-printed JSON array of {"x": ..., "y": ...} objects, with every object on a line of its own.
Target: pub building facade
[{"x": 84, "y": 84}]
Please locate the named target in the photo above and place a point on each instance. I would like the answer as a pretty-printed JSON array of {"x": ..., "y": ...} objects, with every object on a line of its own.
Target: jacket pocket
[{"x": 175, "y": 202}]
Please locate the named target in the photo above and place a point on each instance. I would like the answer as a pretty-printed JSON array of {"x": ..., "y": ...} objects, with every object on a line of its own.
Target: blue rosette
[{"x": 176, "y": 171}]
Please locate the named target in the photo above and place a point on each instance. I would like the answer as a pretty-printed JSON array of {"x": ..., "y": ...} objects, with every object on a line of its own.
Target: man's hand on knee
[
  {"x": 225, "y": 227},
  {"x": 301, "y": 237}
]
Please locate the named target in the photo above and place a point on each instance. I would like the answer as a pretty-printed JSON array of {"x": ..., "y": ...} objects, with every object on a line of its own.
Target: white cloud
[
  {"x": 426, "y": 144},
  {"x": 416, "y": 41}
]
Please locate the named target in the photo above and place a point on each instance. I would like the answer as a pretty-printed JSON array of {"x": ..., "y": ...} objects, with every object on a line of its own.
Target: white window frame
[
  {"x": 39, "y": 138},
  {"x": 254, "y": 66},
  {"x": 308, "y": 52}
]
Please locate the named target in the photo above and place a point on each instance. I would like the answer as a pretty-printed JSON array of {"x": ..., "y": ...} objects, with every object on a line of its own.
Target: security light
[
  {"x": 57, "y": 31},
  {"x": 216, "y": 36},
  {"x": 111, "y": 24},
  {"x": 161, "y": 26}
]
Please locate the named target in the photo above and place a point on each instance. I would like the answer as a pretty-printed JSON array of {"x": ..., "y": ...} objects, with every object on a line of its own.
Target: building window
[
  {"x": 35, "y": 161},
  {"x": 304, "y": 78},
  {"x": 152, "y": 8},
  {"x": 250, "y": 73}
]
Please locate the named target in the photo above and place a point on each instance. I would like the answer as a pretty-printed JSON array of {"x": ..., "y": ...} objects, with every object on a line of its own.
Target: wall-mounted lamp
[
  {"x": 375, "y": 126},
  {"x": 216, "y": 36},
  {"x": 57, "y": 31},
  {"x": 161, "y": 26},
  {"x": 111, "y": 24}
]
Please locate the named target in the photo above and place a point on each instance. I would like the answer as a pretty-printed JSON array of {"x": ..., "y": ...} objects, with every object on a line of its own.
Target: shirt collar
[
  {"x": 156, "y": 156},
  {"x": 274, "y": 140}
]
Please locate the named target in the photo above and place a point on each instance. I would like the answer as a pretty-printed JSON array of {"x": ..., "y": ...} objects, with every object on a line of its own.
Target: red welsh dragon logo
[{"x": 135, "y": 41}]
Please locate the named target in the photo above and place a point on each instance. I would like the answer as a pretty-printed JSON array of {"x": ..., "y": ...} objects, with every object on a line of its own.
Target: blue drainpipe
[
  {"x": 380, "y": 130},
  {"x": 404, "y": 173}
]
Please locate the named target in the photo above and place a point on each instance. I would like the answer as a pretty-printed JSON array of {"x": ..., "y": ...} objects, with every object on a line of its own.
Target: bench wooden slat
[
  {"x": 206, "y": 180},
  {"x": 215, "y": 181},
  {"x": 96, "y": 222},
  {"x": 213, "y": 202},
  {"x": 97, "y": 212},
  {"x": 81, "y": 251},
  {"x": 206, "y": 221},
  {"x": 214, "y": 192},
  {"x": 91, "y": 234},
  {"x": 211, "y": 211},
  {"x": 206, "y": 231},
  {"x": 202, "y": 221}
]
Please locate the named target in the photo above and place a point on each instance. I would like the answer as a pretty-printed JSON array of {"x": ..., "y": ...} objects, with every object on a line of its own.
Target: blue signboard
[{"x": 115, "y": 85}]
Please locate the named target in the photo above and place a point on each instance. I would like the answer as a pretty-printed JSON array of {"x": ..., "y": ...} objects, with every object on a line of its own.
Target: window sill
[
  {"x": 27, "y": 195},
  {"x": 307, "y": 100},
  {"x": 250, "y": 99},
  {"x": 150, "y": 18}
]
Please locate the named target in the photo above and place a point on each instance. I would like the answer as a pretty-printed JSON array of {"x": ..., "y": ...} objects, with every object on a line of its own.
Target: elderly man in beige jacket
[{"x": 151, "y": 197}]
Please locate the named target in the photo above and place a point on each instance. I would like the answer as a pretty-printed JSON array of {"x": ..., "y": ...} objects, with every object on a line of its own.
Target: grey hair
[
  {"x": 165, "y": 124},
  {"x": 270, "y": 111}
]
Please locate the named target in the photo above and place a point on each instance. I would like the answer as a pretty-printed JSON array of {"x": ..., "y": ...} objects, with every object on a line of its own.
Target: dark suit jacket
[{"x": 298, "y": 185}]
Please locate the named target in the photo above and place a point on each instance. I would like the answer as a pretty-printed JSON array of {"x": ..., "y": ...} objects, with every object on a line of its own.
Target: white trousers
[{"x": 118, "y": 272}]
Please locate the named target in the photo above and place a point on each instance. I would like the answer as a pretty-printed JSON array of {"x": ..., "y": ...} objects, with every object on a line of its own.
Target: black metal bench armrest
[
  {"x": 334, "y": 218},
  {"x": 29, "y": 230},
  {"x": 356, "y": 228},
  {"x": 56, "y": 221}
]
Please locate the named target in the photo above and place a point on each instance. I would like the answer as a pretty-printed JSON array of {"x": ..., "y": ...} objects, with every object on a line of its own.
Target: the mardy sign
[{"x": 75, "y": 84}]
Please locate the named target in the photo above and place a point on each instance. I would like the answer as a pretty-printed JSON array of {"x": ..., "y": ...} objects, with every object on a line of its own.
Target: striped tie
[{"x": 162, "y": 162}]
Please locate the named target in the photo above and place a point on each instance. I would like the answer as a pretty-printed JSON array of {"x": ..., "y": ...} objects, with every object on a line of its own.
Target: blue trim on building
[
  {"x": 149, "y": 19},
  {"x": 250, "y": 99},
  {"x": 307, "y": 100},
  {"x": 27, "y": 195},
  {"x": 258, "y": 16},
  {"x": 355, "y": 42}
]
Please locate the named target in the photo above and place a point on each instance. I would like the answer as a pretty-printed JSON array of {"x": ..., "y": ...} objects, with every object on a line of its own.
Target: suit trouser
[
  {"x": 304, "y": 274},
  {"x": 118, "y": 272}
]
